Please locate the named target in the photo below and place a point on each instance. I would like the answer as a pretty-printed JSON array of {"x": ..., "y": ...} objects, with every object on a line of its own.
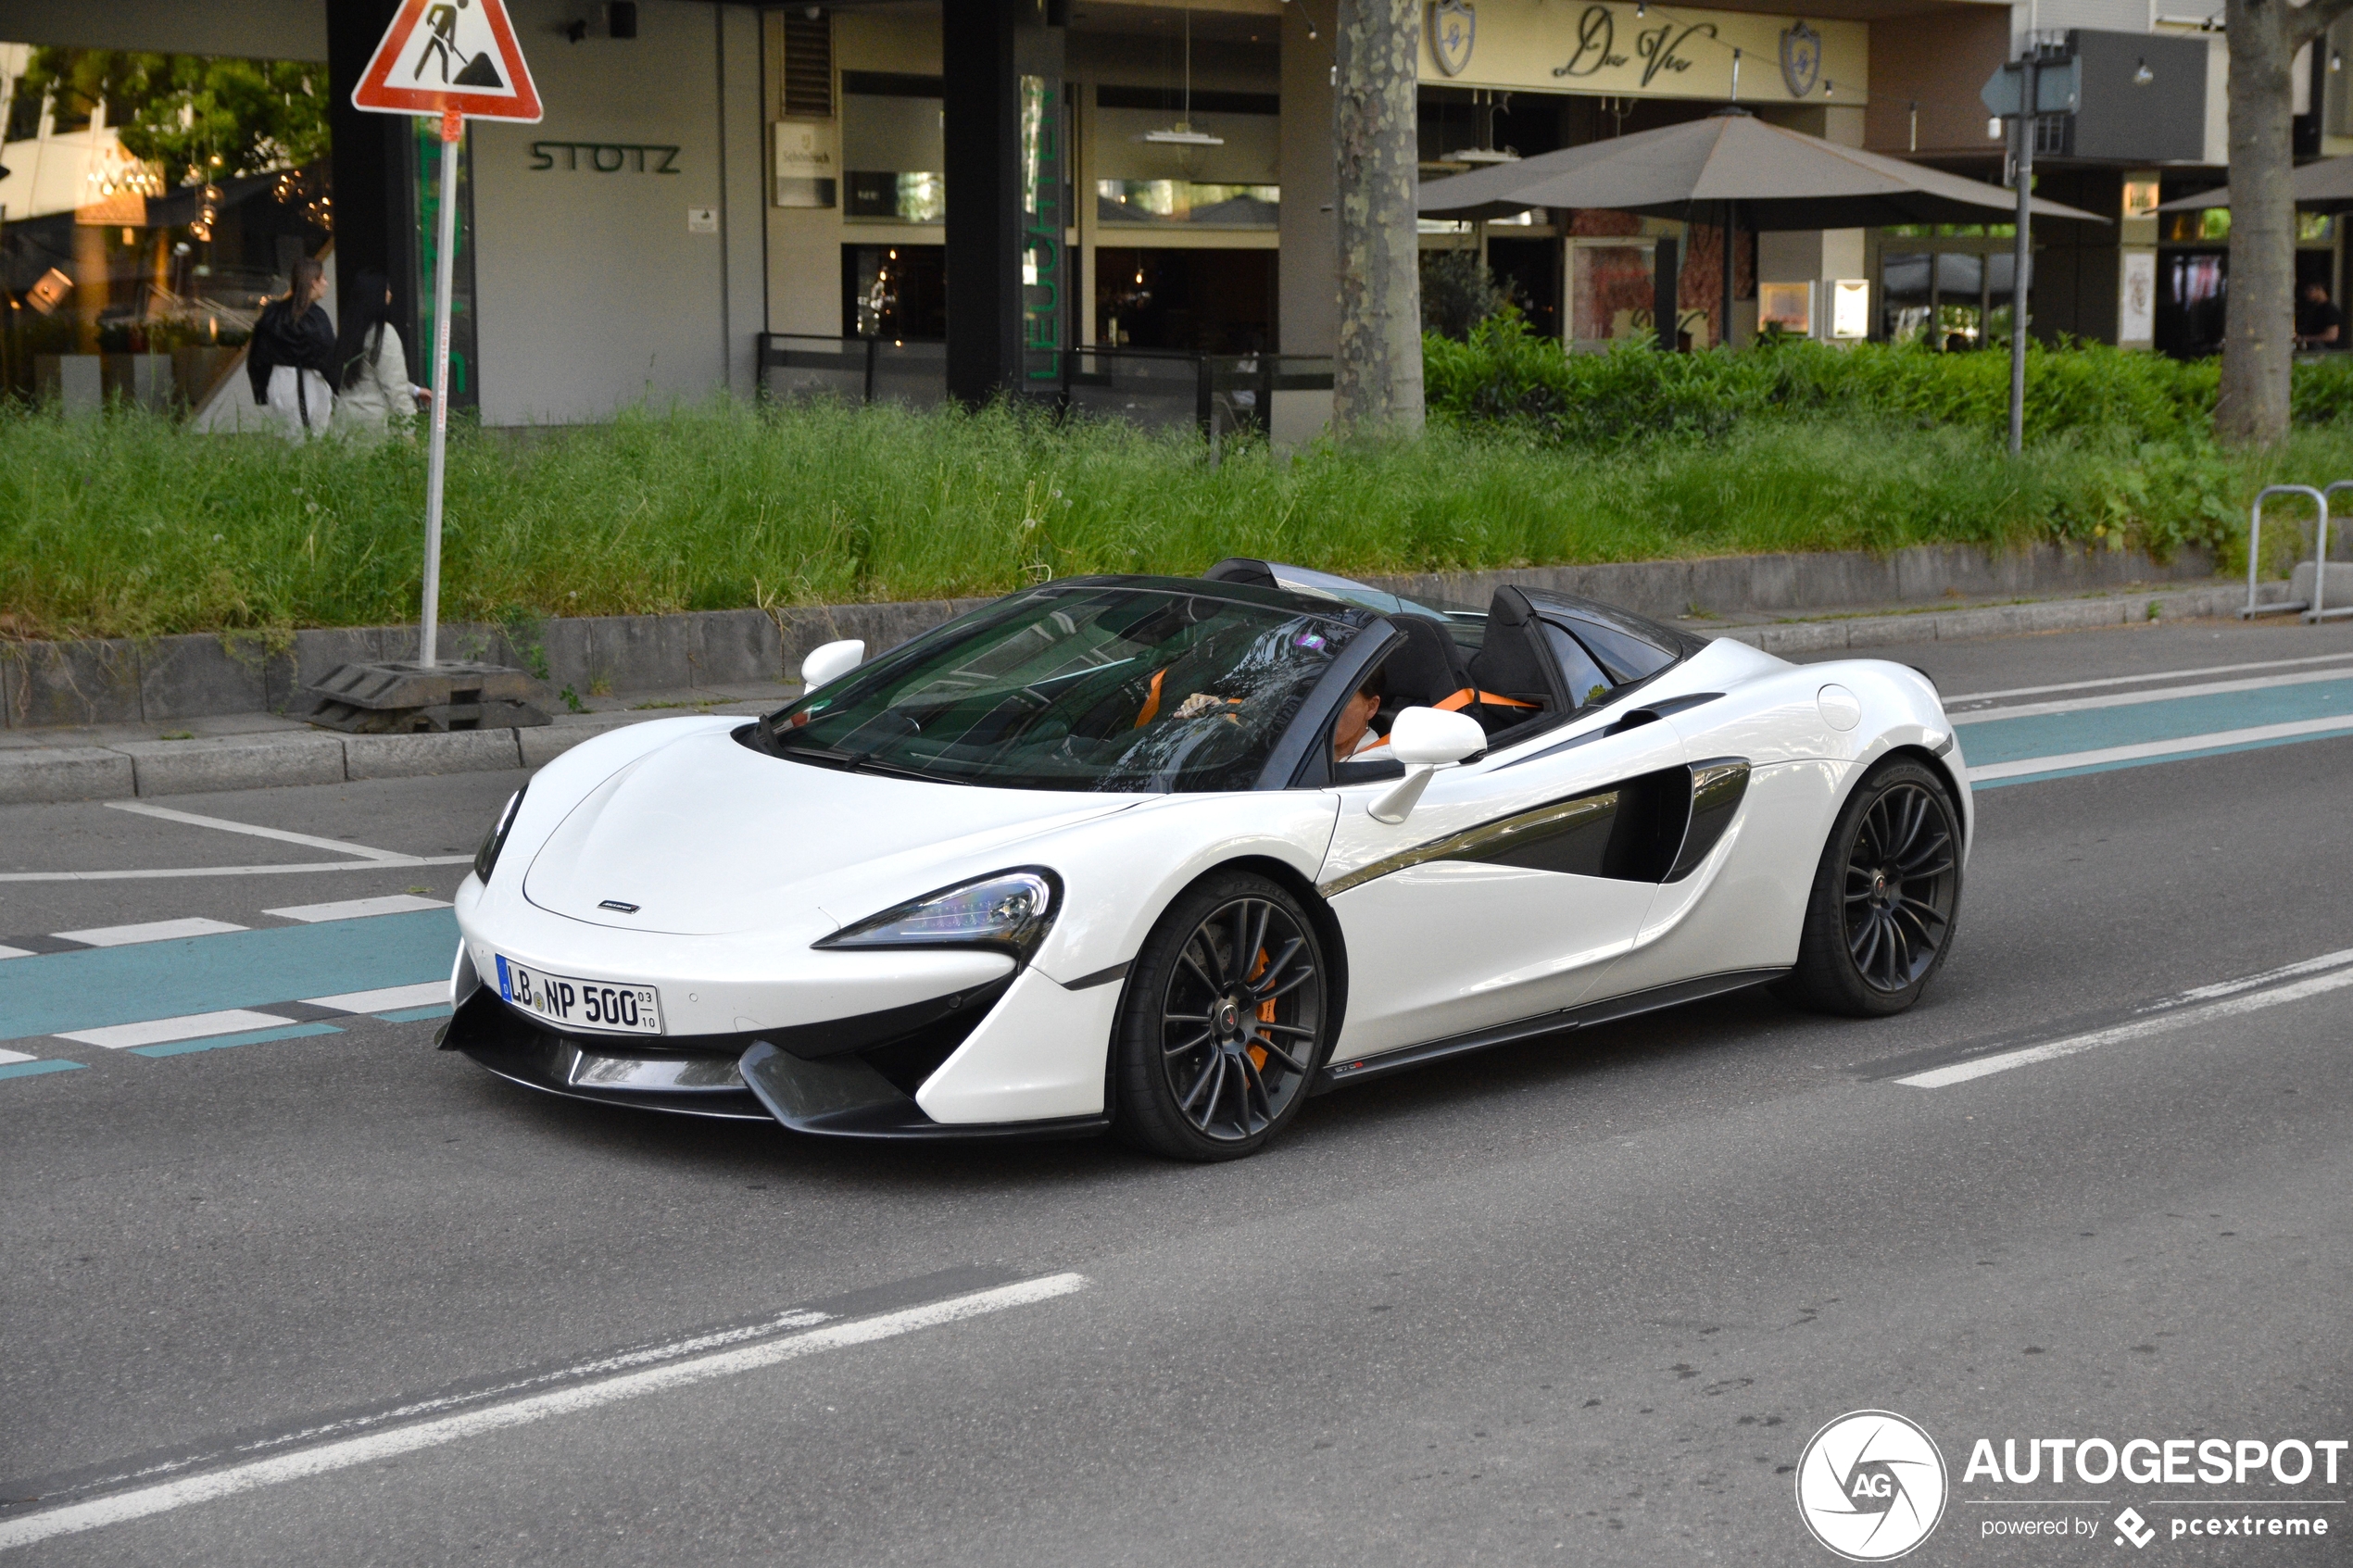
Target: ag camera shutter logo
[{"x": 1870, "y": 1486}]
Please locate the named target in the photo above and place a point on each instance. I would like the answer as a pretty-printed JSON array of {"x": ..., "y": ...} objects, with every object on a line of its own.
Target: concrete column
[
  {"x": 743, "y": 194},
  {"x": 1307, "y": 267},
  {"x": 984, "y": 214}
]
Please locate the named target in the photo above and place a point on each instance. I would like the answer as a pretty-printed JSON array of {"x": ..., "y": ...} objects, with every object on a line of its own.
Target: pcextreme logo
[{"x": 1870, "y": 1486}]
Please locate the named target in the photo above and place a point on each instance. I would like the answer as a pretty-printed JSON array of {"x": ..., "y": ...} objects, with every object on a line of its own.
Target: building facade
[{"x": 1021, "y": 176}]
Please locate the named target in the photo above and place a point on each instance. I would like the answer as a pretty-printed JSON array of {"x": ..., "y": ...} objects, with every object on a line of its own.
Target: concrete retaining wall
[{"x": 161, "y": 679}]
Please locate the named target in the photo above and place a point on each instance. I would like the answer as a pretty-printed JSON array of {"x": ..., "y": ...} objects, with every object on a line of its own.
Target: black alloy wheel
[
  {"x": 1222, "y": 1026},
  {"x": 1886, "y": 896}
]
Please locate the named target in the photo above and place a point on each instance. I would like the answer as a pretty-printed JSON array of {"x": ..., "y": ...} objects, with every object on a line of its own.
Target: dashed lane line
[
  {"x": 2153, "y": 675},
  {"x": 172, "y": 930},
  {"x": 2139, "y": 1028},
  {"x": 384, "y": 998},
  {"x": 2179, "y": 747},
  {"x": 166, "y": 814},
  {"x": 2129, "y": 700},
  {"x": 358, "y": 908},
  {"x": 250, "y": 1037},
  {"x": 153, "y": 931},
  {"x": 393, "y": 956},
  {"x": 156, "y": 1031},
  {"x": 415, "y": 1001},
  {"x": 166, "y": 872},
  {"x": 375, "y": 1446}
]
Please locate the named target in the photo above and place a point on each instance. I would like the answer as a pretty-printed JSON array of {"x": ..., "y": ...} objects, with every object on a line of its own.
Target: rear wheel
[
  {"x": 1880, "y": 919},
  {"x": 1223, "y": 1024}
]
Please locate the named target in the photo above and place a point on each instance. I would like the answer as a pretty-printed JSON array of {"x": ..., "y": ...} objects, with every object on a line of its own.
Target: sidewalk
[{"x": 257, "y": 750}]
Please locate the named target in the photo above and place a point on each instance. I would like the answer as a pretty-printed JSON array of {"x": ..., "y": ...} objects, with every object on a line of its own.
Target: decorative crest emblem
[
  {"x": 1454, "y": 26},
  {"x": 1801, "y": 59}
]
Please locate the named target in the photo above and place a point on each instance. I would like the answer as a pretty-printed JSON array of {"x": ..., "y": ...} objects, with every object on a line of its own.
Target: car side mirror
[
  {"x": 832, "y": 662},
  {"x": 1425, "y": 739}
]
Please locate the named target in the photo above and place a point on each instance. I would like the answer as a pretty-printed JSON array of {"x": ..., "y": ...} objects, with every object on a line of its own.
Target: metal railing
[
  {"x": 1156, "y": 388},
  {"x": 2315, "y": 609}
]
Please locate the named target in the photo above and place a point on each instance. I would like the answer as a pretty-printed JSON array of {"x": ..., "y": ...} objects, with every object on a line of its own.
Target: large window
[{"x": 893, "y": 148}]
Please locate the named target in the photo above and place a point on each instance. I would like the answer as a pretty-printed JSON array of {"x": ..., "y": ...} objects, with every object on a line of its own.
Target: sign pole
[
  {"x": 453, "y": 130},
  {"x": 2022, "y": 253}
]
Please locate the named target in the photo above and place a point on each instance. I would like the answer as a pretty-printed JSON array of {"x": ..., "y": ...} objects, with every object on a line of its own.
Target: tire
[
  {"x": 1880, "y": 917},
  {"x": 1211, "y": 1058}
]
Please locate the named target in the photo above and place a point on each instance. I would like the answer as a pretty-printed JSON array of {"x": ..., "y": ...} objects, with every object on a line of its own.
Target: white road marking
[
  {"x": 2152, "y": 675},
  {"x": 13, "y": 953},
  {"x": 358, "y": 908},
  {"x": 6, "y": 1057},
  {"x": 167, "y": 814},
  {"x": 2161, "y": 693},
  {"x": 2337, "y": 959},
  {"x": 160, "y": 1030},
  {"x": 376, "y": 1446},
  {"x": 2215, "y": 740},
  {"x": 1978, "y": 1067},
  {"x": 236, "y": 870},
  {"x": 153, "y": 931},
  {"x": 390, "y": 999}
]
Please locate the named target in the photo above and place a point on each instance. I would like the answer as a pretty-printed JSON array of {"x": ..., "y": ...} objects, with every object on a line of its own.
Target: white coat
[
  {"x": 300, "y": 401},
  {"x": 380, "y": 398}
]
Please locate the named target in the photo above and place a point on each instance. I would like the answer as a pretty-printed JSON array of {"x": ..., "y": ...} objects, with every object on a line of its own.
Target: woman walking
[
  {"x": 293, "y": 351},
  {"x": 373, "y": 392}
]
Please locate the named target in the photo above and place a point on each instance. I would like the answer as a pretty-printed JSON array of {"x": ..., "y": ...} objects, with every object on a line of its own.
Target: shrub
[{"x": 1504, "y": 374}]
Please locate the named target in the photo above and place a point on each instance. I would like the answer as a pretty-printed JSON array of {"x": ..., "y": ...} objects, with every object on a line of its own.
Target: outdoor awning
[
  {"x": 1781, "y": 178},
  {"x": 2328, "y": 183}
]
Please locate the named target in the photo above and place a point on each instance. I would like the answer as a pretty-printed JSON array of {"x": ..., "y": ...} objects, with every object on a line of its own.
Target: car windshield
[{"x": 1086, "y": 687}]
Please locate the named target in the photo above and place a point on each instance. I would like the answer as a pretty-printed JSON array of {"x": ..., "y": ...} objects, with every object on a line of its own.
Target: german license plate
[{"x": 571, "y": 1002}]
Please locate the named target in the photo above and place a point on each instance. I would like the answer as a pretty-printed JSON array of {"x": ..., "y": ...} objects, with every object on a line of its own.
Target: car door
[{"x": 1509, "y": 888}]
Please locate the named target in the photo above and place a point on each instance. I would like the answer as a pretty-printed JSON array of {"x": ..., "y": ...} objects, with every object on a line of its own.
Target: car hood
[{"x": 706, "y": 835}]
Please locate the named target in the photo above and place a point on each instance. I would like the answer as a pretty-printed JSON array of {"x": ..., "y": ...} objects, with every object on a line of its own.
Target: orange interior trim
[
  {"x": 1469, "y": 694},
  {"x": 1151, "y": 703}
]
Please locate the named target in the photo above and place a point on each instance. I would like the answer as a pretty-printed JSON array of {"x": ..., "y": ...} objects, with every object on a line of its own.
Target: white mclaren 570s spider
[{"x": 1169, "y": 857}]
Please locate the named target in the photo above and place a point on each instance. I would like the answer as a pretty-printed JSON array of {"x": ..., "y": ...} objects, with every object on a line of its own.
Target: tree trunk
[
  {"x": 1377, "y": 373},
  {"x": 2259, "y": 323}
]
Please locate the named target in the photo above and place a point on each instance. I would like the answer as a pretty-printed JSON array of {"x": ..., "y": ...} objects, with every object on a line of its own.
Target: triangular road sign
[{"x": 442, "y": 55}]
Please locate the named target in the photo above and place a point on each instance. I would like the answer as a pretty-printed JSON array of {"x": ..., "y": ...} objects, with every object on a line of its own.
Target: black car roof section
[
  {"x": 1657, "y": 633},
  {"x": 1200, "y": 587}
]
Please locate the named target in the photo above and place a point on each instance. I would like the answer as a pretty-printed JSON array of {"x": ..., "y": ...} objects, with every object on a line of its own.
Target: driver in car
[{"x": 1353, "y": 732}]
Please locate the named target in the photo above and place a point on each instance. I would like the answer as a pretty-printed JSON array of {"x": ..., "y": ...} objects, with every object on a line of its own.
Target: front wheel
[
  {"x": 1880, "y": 919},
  {"x": 1223, "y": 1024}
]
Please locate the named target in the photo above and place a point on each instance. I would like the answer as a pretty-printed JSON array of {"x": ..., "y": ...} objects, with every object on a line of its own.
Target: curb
[
  {"x": 1996, "y": 621},
  {"x": 43, "y": 775},
  {"x": 142, "y": 769}
]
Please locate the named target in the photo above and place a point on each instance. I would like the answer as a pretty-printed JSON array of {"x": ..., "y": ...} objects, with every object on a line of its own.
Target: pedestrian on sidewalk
[
  {"x": 373, "y": 394},
  {"x": 292, "y": 353}
]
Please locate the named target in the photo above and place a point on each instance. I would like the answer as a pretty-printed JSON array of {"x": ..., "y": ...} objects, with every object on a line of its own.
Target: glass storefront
[
  {"x": 153, "y": 204},
  {"x": 1947, "y": 285}
]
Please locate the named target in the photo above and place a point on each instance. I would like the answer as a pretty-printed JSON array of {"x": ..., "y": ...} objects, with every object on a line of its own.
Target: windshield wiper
[{"x": 867, "y": 763}]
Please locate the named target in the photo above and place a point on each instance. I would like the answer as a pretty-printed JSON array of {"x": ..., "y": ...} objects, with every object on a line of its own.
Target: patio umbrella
[
  {"x": 1731, "y": 164},
  {"x": 2328, "y": 183}
]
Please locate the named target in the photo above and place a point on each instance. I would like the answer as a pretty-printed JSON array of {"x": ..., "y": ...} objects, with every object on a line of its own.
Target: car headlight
[
  {"x": 1008, "y": 910},
  {"x": 487, "y": 856}
]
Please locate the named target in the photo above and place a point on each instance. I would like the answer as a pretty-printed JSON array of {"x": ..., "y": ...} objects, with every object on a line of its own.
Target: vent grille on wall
[{"x": 809, "y": 64}]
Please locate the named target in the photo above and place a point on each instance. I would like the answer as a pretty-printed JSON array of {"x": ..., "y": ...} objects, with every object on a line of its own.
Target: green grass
[{"x": 128, "y": 525}]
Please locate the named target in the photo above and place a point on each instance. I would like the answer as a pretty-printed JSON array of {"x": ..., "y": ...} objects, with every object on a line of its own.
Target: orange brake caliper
[{"x": 1266, "y": 1014}]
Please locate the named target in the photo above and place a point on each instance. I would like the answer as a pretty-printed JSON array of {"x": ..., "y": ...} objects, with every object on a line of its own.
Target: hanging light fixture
[
  {"x": 1182, "y": 133},
  {"x": 1490, "y": 153}
]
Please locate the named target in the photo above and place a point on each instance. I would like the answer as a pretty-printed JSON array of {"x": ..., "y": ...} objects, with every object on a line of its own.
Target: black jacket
[{"x": 306, "y": 343}]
